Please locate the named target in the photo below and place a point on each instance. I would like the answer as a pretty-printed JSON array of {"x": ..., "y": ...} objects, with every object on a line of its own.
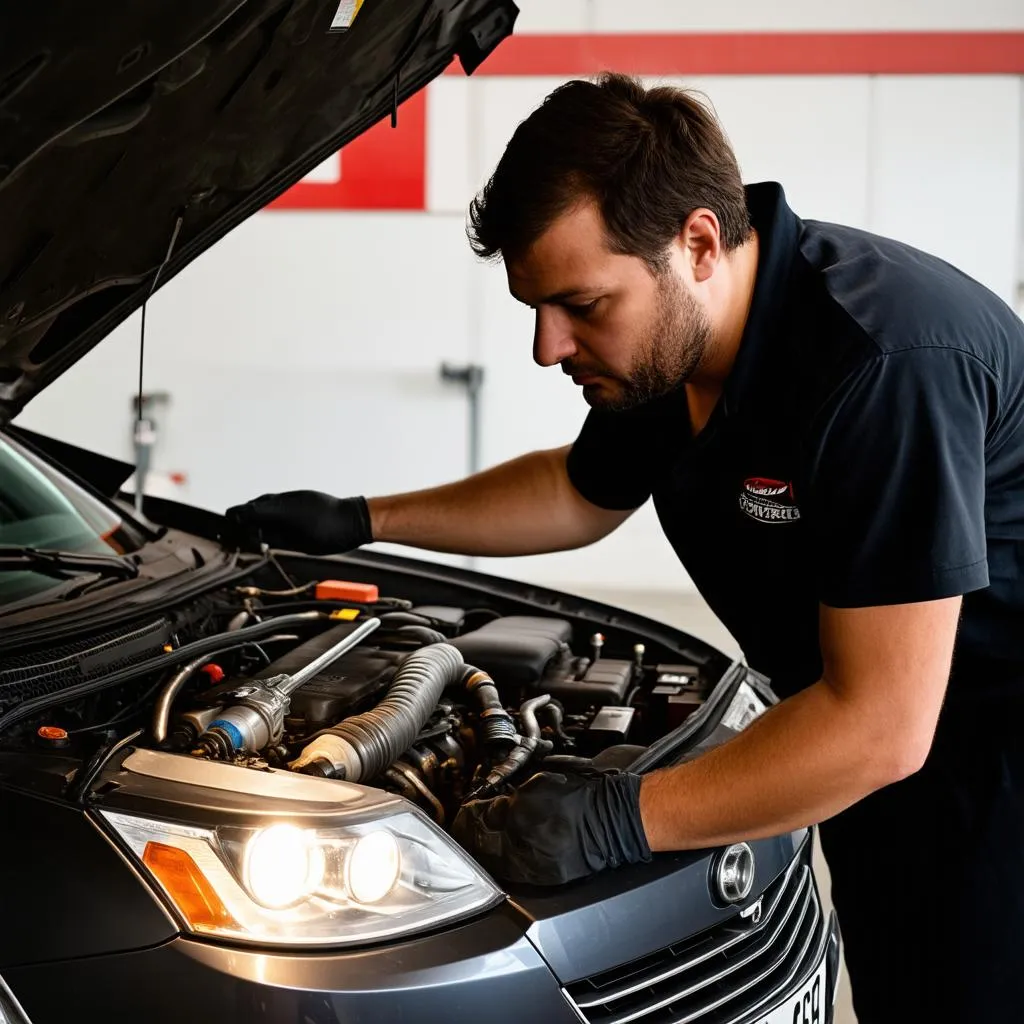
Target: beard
[{"x": 670, "y": 350}]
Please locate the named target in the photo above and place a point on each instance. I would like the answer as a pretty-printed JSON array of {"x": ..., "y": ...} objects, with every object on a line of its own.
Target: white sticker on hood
[
  {"x": 743, "y": 709},
  {"x": 347, "y": 11}
]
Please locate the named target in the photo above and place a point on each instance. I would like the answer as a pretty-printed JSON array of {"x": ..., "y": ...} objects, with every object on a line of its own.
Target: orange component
[
  {"x": 110, "y": 538},
  {"x": 179, "y": 874},
  {"x": 52, "y": 732},
  {"x": 344, "y": 590}
]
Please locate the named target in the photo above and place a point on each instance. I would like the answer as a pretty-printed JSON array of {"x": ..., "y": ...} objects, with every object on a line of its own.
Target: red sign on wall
[{"x": 383, "y": 169}]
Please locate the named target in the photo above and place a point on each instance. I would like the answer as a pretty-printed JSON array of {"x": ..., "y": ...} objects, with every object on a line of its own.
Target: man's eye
[{"x": 581, "y": 309}]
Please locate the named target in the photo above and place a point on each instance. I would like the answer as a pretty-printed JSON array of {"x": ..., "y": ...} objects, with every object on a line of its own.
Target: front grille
[
  {"x": 727, "y": 974},
  {"x": 23, "y": 676}
]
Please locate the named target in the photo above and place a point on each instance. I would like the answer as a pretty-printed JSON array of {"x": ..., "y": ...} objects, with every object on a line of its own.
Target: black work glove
[
  {"x": 306, "y": 521},
  {"x": 557, "y": 827}
]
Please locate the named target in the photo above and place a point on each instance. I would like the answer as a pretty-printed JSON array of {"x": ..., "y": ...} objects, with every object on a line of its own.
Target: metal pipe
[
  {"x": 216, "y": 644},
  {"x": 257, "y": 720},
  {"x": 399, "y": 770},
  {"x": 332, "y": 654},
  {"x": 171, "y": 689},
  {"x": 238, "y": 621}
]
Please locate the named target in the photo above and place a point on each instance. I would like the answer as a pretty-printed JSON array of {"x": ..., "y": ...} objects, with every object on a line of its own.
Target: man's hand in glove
[
  {"x": 557, "y": 827},
  {"x": 306, "y": 521}
]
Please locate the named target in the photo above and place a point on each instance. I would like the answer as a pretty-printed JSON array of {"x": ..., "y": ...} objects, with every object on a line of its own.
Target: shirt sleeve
[
  {"x": 612, "y": 462},
  {"x": 896, "y": 489}
]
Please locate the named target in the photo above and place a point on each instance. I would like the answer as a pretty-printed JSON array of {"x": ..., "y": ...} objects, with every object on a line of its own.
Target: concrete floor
[{"x": 690, "y": 613}]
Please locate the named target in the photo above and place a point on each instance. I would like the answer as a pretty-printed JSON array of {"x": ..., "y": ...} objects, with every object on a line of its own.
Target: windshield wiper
[{"x": 65, "y": 564}]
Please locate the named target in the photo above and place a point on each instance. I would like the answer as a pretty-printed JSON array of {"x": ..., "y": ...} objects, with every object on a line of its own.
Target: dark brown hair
[{"x": 649, "y": 157}]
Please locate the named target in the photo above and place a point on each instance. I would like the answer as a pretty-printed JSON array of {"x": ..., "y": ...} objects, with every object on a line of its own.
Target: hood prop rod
[{"x": 143, "y": 430}]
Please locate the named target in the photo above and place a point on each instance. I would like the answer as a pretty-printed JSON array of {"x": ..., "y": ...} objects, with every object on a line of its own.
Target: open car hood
[{"x": 130, "y": 129}]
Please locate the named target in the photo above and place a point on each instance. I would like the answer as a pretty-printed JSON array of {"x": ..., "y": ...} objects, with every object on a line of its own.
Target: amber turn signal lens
[{"x": 181, "y": 877}]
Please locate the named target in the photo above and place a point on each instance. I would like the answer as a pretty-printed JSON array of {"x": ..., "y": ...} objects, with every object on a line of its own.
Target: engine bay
[{"x": 439, "y": 703}]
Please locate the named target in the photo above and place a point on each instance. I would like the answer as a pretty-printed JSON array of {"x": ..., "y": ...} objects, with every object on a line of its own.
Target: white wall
[
  {"x": 758, "y": 15},
  {"x": 848, "y": 157},
  {"x": 303, "y": 351},
  {"x": 803, "y": 15},
  {"x": 951, "y": 185}
]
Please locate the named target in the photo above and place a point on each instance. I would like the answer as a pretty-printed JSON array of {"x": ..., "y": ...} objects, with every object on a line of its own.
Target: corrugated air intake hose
[{"x": 361, "y": 747}]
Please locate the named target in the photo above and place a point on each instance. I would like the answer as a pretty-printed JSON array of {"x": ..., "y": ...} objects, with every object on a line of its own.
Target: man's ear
[{"x": 701, "y": 240}]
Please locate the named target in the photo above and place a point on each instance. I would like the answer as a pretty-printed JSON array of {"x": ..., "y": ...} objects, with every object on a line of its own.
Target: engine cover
[
  {"x": 516, "y": 649},
  {"x": 342, "y": 688}
]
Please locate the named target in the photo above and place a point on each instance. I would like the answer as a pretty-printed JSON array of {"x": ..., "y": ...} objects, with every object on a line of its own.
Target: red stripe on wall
[
  {"x": 382, "y": 169},
  {"x": 761, "y": 53}
]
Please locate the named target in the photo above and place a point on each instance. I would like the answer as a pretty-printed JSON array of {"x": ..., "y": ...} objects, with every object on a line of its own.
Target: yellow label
[{"x": 345, "y": 614}]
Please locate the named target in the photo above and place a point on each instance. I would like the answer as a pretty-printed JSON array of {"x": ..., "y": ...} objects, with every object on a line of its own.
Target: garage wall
[
  {"x": 758, "y": 16},
  {"x": 843, "y": 152},
  {"x": 304, "y": 350}
]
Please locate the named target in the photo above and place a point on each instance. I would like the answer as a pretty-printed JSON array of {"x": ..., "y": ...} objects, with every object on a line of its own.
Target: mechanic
[{"x": 831, "y": 426}]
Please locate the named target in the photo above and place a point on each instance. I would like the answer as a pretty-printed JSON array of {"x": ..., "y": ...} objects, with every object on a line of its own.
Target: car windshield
[{"x": 41, "y": 508}]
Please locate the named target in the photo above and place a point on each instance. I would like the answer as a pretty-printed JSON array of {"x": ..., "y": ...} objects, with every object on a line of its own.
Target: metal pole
[
  {"x": 332, "y": 654},
  {"x": 471, "y": 377},
  {"x": 474, "y": 387}
]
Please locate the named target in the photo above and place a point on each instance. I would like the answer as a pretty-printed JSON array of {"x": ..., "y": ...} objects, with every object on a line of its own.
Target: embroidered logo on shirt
[{"x": 769, "y": 501}]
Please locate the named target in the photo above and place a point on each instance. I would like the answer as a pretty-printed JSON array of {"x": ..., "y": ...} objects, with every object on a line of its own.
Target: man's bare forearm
[
  {"x": 868, "y": 722},
  {"x": 525, "y": 506},
  {"x": 803, "y": 761}
]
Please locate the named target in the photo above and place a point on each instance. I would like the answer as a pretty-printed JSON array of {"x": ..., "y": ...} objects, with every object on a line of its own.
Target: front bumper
[
  {"x": 484, "y": 970},
  {"x": 500, "y": 967}
]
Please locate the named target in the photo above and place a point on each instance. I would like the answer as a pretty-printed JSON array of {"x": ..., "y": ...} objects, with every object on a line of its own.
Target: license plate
[{"x": 806, "y": 1006}]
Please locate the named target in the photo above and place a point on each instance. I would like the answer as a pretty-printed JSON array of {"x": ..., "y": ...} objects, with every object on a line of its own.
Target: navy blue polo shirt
[{"x": 868, "y": 449}]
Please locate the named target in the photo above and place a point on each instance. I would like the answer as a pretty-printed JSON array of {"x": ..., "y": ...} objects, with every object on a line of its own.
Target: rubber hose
[
  {"x": 216, "y": 644},
  {"x": 381, "y": 735},
  {"x": 396, "y": 619},
  {"x": 556, "y": 713},
  {"x": 528, "y": 715},
  {"x": 527, "y": 745},
  {"x": 497, "y": 722},
  {"x": 424, "y": 634}
]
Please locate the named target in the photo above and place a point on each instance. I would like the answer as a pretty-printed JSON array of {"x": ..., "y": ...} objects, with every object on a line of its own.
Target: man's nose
[{"x": 553, "y": 339}]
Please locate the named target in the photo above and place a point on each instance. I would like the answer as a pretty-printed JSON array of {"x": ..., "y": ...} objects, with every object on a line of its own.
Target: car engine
[{"x": 440, "y": 704}]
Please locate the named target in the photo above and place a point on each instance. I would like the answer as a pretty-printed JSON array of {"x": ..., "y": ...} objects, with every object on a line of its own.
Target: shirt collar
[{"x": 778, "y": 229}]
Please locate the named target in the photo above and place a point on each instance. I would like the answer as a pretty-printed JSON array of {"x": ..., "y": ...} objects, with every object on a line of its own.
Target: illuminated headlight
[
  {"x": 284, "y": 865},
  {"x": 373, "y": 867},
  {"x": 324, "y": 886}
]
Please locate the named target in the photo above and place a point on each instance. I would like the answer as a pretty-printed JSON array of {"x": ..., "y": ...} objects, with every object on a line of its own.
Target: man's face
[{"x": 623, "y": 332}]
